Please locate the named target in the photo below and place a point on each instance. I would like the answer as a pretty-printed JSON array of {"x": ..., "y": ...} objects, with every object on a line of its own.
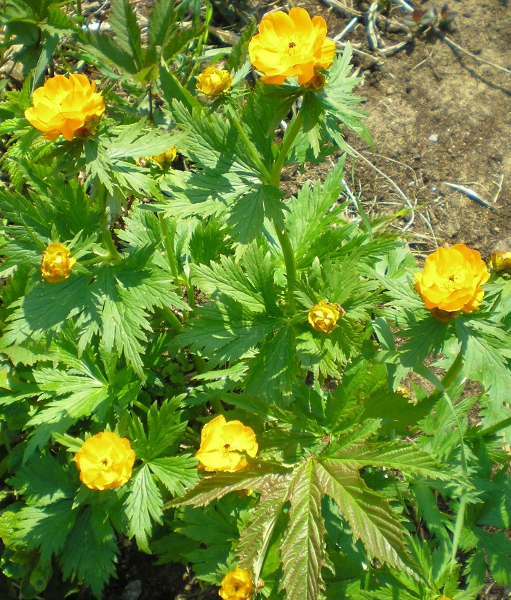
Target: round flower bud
[
  {"x": 451, "y": 280},
  {"x": 324, "y": 316},
  {"x": 223, "y": 445},
  {"x": 213, "y": 81},
  {"x": 237, "y": 585},
  {"x": 105, "y": 461},
  {"x": 67, "y": 106},
  {"x": 500, "y": 261},
  {"x": 56, "y": 264},
  {"x": 291, "y": 45},
  {"x": 165, "y": 159}
]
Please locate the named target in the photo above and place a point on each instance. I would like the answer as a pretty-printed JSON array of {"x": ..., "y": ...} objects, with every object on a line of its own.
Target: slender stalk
[
  {"x": 108, "y": 243},
  {"x": 106, "y": 234},
  {"x": 139, "y": 404},
  {"x": 79, "y": 7},
  {"x": 190, "y": 296},
  {"x": 248, "y": 143},
  {"x": 96, "y": 260},
  {"x": 217, "y": 406},
  {"x": 447, "y": 380},
  {"x": 285, "y": 242},
  {"x": 173, "y": 321},
  {"x": 285, "y": 147},
  {"x": 169, "y": 250},
  {"x": 289, "y": 259}
]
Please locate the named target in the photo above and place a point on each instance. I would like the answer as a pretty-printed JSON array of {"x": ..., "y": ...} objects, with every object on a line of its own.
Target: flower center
[
  {"x": 227, "y": 448},
  {"x": 105, "y": 463},
  {"x": 291, "y": 48}
]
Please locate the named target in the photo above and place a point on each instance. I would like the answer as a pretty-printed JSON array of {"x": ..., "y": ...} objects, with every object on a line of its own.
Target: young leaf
[{"x": 144, "y": 504}]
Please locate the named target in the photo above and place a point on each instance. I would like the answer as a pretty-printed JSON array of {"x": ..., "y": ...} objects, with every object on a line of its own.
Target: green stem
[
  {"x": 217, "y": 406},
  {"x": 289, "y": 259},
  {"x": 171, "y": 318},
  {"x": 96, "y": 260},
  {"x": 190, "y": 295},
  {"x": 497, "y": 427},
  {"x": 448, "y": 380},
  {"x": 288, "y": 141},
  {"x": 106, "y": 234},
  {"x": 108, "y": 243},
  {"x": 248, "y": 143},
  {"x": 169, "y": 249},
  {"x": 139, "y": 404}
]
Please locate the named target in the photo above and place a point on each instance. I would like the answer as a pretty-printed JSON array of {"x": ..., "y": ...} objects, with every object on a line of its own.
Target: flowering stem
[
  {"x": 289, "y": 138},
  {"x": 169, "y": 249},
  {"x": 173, "y": 321},
  {"x": 96, "y": 260},
  {"x": 442, "y": 387},
  {"x": 285, "y": 242},
  {"x": 289, "y": 259},
  {"x": 106, "y": 234},
  {"x": 248, "y": 143},
  {"x": 108, "y": 242}
]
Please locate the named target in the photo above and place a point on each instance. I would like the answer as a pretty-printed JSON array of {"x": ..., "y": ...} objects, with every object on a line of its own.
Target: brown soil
[{"x": 427, "y": 92}]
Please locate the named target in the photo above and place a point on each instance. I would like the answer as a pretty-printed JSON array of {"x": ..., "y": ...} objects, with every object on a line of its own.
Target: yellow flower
[
  {"x": 291, "y": 45},
  {"x": 451, "y": 280},
  {"x": 500, "y": 261},
  {"x": 213, "y": 81},
  {"x": 165, "y": 158},
  {"x": 223, "y": 444},
  {"x": 105, "y": 461},
  {"x": 56, "y": 264},
  {"x": 65, "y": 106},
  {"x": 237, "y": 585},
  {"x": 324, "y": 316}
]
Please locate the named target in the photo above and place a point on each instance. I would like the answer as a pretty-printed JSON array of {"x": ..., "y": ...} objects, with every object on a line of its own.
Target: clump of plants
[{"x": 261, "y": 384}]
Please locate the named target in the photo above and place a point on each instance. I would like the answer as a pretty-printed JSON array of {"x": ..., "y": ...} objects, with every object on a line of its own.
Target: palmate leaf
[
  {"x": 90, "y": 551},
  {"x": 46, "y": 527},
  {"x": 144, "y": 505},
  {"x": 486, "y": 358},
  {"x": 228, "y": 279},
  {"x": 224, "y": 332},
  {"x": 272, "y": 372},
  {"x": 103, "y": 46},
  {"x": 368, "y": 514},
  {"x": 156, "y": 448},
  {"x": 246, "y": 217},
  {"x": 309, "y": 214},
  {"x": 127, "y": 32},
  {"x": 303, "y": 546},
  {"x": 161, "y": 23},
  {"x": 118, "y": 301}
]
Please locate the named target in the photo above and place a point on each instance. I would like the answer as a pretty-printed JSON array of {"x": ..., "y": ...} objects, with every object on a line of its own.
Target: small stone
[
  {"x": 433, "y": 138},
  {"x": 132, "y": 591}
]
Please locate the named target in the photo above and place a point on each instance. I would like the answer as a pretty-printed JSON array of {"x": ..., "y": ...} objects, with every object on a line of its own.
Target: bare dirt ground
[{"x": 436, "y": 117}]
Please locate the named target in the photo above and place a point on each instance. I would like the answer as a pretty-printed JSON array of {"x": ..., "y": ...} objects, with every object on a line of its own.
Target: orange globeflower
[
  {"x": 451, "y": 279},
  {"x": 67, "y": 106},
  {"x": 56, "y": 264},
  {"x": 237, "y": 585},
  {"x": 291, "y": 45},
  {"x": 500, "y": 261},
  {"x": 223, "y": 444},
  {"x": 213, "y": 81},
  {"x": 105, "y": 461},
  {"x": 324, "y": 316}
]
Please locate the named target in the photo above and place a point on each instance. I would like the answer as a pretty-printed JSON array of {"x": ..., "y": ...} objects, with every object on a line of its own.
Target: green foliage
[{"x": 189, "y": 292}]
